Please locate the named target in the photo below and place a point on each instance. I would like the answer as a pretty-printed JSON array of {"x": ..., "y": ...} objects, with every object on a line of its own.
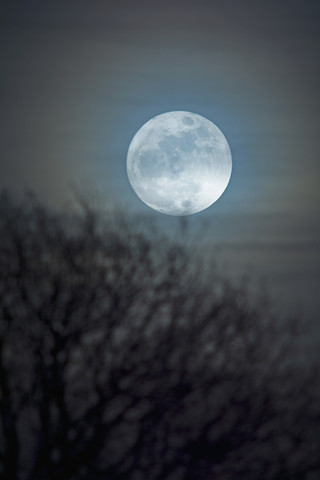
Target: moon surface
[{"x": 179, "y": 163}]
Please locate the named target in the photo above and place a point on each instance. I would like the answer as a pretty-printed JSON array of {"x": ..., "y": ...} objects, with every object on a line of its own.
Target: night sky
[{"x": 78, "y": 79}]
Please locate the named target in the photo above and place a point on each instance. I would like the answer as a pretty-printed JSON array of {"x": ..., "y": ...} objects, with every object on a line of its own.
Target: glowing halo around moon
[{"x": 179, "y": 163}]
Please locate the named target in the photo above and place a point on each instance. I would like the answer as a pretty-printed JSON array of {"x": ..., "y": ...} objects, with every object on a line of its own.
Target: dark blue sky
[{"x": 79, "y": 78}]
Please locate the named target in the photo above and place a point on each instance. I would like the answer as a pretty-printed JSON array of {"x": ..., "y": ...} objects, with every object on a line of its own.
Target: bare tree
[{"x": 123, "y": 358}]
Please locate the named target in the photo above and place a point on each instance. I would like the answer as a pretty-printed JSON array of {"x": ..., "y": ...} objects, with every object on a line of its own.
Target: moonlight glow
[{"x": 179, "y": 163}]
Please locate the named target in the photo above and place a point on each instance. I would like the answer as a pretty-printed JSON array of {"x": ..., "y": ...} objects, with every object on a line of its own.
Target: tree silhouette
[{"x": 121, "y": 357}]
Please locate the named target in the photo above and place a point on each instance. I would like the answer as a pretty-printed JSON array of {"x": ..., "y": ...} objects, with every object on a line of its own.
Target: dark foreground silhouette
[{"x": 122, "y": 358}]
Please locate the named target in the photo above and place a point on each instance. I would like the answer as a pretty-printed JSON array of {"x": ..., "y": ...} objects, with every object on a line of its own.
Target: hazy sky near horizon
[{"x": 78, "y": 78}]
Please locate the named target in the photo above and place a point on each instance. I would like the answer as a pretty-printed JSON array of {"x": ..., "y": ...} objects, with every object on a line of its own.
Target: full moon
[{"x": 179, "y": 163}]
